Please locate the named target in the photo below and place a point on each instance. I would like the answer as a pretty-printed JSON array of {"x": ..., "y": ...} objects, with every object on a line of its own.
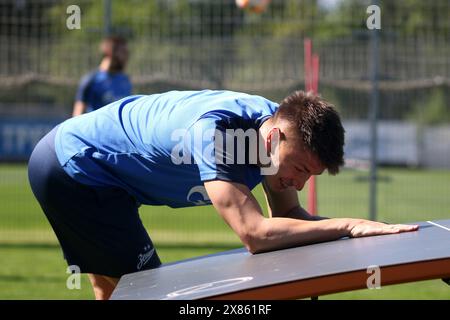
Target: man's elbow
[
  {"x": 251, "y": 245},
  {"x": 256, "y": 240}
]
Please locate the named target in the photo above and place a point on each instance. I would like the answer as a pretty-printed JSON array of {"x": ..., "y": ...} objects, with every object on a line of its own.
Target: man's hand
[{"x": 364, "y": 228}]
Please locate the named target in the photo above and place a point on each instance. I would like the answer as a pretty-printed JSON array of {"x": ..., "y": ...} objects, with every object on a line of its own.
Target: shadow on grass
[
  {"x": 29, "y": 279},
  {"x": 187, "y": 245},
  {"x": 29, "y": 246}
]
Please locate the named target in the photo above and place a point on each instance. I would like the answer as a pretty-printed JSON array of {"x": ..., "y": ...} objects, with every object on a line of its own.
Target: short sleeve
[
  {"x": 83, "y": 88},
  {"x": 208, "y": 142}
]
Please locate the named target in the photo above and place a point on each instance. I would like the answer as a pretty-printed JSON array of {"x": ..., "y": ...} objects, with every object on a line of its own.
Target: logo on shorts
[
  {"x": 198, "y": 196},
  {"x": 143, "y": 258}
]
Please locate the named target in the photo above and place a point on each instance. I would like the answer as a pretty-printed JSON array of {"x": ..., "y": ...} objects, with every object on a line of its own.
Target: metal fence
[{"x": 193, "y": 44}]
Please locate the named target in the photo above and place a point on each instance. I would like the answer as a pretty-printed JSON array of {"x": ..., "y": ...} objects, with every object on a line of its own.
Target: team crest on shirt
[{"x": 198, "y": 196}]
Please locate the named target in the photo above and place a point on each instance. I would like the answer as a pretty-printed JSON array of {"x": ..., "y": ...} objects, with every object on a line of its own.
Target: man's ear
[{"x": 270, "y": 137}]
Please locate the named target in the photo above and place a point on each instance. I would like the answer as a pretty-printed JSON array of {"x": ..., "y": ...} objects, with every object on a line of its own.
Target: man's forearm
[
  {"x": 78, "y": 108},
  {"x": 278, "y": 233},
  {"x": 302, "y": 214}
]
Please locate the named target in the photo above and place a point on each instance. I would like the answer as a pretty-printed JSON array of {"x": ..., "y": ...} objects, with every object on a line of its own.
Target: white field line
[{"x": 438, "y": 225}]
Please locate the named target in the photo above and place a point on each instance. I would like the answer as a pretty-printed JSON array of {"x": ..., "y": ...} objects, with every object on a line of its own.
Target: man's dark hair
[
  {"x": 110, "y": 44},
  {"x": 318, "y": 125},
  {"x": 115, "y": 47}
]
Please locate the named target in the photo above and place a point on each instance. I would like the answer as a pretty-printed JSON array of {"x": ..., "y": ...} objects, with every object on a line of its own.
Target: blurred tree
[{"x": 432, "y": 109}]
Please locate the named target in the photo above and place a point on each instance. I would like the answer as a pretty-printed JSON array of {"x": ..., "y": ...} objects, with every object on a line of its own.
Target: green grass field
[{"x": 33, "y": 267}]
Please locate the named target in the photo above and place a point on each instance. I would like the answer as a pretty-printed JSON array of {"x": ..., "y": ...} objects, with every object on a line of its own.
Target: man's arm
[
  {"x": 237, "y": 206},
  {"x": 81, "y": 97},
  {"x": 78, "y": 108},
  {"x": 286, "y": 204}
]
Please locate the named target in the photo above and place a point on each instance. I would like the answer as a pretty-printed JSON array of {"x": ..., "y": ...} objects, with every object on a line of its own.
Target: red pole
[
  {"x": 312, "y": 184},
  {"x": 311, "y": 84}
]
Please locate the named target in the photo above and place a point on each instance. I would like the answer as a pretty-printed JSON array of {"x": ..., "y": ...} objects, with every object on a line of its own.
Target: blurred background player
[{"x": 109, "y": 82}]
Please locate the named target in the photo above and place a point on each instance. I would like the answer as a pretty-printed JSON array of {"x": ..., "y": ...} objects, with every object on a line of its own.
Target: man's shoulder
[
  {"x": 87, "y": 78},
  {"x": 120, "y": 76},
  {"x": 94, "y": 74}
]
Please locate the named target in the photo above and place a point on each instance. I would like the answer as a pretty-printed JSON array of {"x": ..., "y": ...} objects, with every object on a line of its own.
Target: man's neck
[
  {"x": 262, "y": 135},
  {"x": 265, "y": 128},
  {"x": 105, "y": 64}
]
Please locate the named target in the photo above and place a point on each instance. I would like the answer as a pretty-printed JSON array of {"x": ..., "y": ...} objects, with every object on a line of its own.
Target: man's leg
[
  {"x": 99, "y": 228},
  {"x": 103, "y": 286}
]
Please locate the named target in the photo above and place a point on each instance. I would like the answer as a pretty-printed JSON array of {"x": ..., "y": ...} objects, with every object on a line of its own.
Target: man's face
[{"x": 296, "y": 164}]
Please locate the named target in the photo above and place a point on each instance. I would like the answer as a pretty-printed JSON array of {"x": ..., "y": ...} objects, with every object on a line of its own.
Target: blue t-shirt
[
  {"x": 99, "y": 88},
  {"x": 162, "y": 147}
]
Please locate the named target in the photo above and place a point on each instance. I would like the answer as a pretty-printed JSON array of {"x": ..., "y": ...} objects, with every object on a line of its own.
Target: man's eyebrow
[
  {"x": 303, "y": 168},
  {"x": 306, "y": 169}
]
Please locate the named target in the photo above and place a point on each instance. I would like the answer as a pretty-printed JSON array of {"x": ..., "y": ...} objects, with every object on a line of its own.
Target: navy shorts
[{"x": 99, "y": 228}]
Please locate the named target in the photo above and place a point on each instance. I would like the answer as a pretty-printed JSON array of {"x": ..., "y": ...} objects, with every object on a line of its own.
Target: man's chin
[{"x": 281, "y": 186}]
